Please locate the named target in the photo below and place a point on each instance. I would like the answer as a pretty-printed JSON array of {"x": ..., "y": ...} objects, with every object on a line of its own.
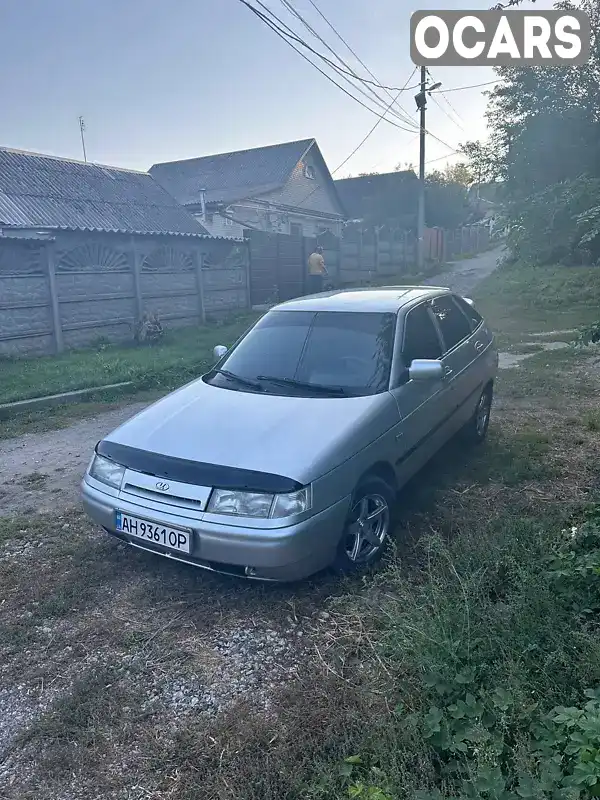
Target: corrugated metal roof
[
  {"x": 48, "y": 192},
  {"x": 227, "y": 177}
]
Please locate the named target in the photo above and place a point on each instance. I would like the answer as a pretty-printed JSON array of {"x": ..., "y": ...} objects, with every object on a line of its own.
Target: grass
[
  {"x": 518, "y": 300},
  {"x": 180, "y": 357},
  {"x": 468, "y": 605},
  {"x": 57, "y": 417}
]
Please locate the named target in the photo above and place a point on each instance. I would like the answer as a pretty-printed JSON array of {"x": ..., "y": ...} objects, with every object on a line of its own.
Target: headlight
[
  {"x": 106, "y": 471},
  {"x": 255, "y": 504},
  {"x": 293, "y": 503}
]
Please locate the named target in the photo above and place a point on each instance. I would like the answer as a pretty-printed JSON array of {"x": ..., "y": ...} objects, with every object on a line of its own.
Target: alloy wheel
[
  {"x": 482, "y": 415},
  {"x": 368, "y": 528}
]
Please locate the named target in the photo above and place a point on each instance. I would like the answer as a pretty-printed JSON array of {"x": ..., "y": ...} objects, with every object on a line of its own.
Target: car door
[
  {"x": 459, "y": 358},
  {"x": 421, "y": 404}
]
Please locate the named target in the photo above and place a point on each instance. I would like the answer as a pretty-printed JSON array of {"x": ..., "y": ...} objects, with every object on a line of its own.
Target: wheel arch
[{"x": 383, "y": 470}]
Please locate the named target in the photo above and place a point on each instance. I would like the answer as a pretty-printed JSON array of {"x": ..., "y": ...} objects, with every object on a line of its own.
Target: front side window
[
  {"x": 421, "y": 339},
  {"x": 288, "y": 351},
  {"x": 452, "y": 321}
]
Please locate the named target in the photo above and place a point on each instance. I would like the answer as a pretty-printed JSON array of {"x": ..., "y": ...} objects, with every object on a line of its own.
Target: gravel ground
[{"x": 39, "y": 470}]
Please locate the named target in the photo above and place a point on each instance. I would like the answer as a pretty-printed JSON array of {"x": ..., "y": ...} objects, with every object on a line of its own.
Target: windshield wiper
[
  {"x": 317, "y": 387},
  {"x": 243, "y": 381}
]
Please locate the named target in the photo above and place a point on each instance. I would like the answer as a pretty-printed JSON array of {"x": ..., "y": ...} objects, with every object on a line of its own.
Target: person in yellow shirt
[{"x": 316, "y": 271}]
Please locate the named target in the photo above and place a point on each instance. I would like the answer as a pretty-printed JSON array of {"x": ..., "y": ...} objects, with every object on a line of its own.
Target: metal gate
[{"x": 277, "y": 267}]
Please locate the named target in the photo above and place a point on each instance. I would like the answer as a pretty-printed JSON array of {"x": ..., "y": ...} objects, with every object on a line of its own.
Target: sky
[{"x": 160, "y": 81}]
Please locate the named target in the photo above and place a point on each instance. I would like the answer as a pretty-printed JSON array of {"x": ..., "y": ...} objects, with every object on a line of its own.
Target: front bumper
[{"x": 280, "y": 554}]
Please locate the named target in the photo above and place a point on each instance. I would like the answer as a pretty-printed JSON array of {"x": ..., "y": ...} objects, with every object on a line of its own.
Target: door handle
[
  {"x": 448, "y": 373},
  {"x": 479, "y": 346}
]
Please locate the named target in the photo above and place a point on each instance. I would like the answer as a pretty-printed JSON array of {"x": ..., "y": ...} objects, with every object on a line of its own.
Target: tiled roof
[
  {"x": 359, "y": 194},
  {"x": 48, "y": 192},
  {"x": 231, "y": 176}
]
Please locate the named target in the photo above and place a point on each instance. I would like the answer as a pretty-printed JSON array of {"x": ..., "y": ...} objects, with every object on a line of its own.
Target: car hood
[{"x": 295, "y": 437}]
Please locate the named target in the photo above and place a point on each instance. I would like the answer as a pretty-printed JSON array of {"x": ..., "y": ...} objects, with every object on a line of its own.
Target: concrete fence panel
[{"x": 73, "y": 289}]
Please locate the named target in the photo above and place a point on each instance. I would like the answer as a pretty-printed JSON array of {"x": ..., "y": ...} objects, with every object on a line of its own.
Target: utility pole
[
  {"x": 422, "y": 106},
  {"x": 421, "y": 101},
  {"x": 81, "y": 130}
]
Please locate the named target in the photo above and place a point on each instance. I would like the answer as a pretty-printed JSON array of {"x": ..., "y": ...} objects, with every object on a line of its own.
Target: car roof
[{"x": 380, "y": 299}]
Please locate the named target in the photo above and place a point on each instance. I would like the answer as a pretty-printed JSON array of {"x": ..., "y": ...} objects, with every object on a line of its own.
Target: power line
[
  {"x": 285, "y": 37},
  {"x": 362, "y": 142},
  {"x": 473, "y": 86},
  {"x": 440, "y": 158},
  {"x": 387, "y": 89},
  {"x": 273, "y": 27},
  {"x": 291, "y": 34},
  {"x": 348, "y": 70},
  {"x": 455, "y": 112},
  {"x": 443, "y": 110},
  {"x": 359, "y": 145},
  {"x": 448, "y": 103}
]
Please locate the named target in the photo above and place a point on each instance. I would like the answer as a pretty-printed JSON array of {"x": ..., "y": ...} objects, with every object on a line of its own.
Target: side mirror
[
  {"x": 425, "y": 369},
  {"x": 219, "y": 352},
  {"x": 469, "y": 301}
]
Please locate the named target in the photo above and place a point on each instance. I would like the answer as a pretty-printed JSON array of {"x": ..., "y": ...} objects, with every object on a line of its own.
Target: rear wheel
[
  {"x": 476, "y": 428},
  {"x": 368, "y": 526}
]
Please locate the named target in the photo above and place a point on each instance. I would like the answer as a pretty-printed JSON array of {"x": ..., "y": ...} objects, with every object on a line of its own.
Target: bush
[
  {"x": 495, "y": 643},
  {"x": 590, "y": 334},
  {"x": 149, "y": 329},
  {"x": 561, "y": 223}
]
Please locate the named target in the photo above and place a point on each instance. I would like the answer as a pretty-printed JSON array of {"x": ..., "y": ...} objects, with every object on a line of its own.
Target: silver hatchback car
[{"x": 287, "y": 456}]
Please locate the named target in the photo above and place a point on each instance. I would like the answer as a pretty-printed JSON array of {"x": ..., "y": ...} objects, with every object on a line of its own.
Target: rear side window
[
  {"x": 421, "y": 339},
  {"x": 453, "y": 323},
  {"x": 474, "y": 318}
]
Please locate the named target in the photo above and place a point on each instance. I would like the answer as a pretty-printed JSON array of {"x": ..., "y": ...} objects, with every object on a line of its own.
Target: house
[
  {"x": 484, "y": 200},
  {"x": 86, "y": 250},
  {"x": 281, "y": 188},
  {"x": 389, "y": 199}
]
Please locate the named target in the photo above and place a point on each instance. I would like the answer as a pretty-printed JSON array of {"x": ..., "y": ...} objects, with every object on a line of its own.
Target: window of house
[
  {"x": 295, "y": 229},
  {"x": 309, "y": 172},
  {"x": 421, "y": 339},
  {"x": 453, "y": 323}
]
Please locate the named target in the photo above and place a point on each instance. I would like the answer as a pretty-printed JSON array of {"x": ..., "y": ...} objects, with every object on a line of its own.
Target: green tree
[
  {"x": 446, "y": 199},
  {"x": 545, "y": 147}
]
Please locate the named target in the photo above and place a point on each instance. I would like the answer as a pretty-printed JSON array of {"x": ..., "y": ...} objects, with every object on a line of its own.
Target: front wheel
[
  {"x": 368, "y": 526},
  {"x": 476, "y": 428}
]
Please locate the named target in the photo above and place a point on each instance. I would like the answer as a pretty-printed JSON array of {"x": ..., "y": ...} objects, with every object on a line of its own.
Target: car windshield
[{"x": 311, "y": 353}]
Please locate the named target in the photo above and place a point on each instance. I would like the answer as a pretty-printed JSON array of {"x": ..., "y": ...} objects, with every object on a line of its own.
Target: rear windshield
[{"x": 347, "y": 350}]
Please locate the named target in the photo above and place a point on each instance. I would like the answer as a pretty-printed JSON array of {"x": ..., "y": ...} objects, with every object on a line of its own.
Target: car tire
[
  {"x": 475, "y": 431},
  {"x": 368, "y": 526}
]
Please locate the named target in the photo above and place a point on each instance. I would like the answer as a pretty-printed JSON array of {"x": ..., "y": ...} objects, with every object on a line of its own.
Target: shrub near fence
[{"x": 72, "y": 290}]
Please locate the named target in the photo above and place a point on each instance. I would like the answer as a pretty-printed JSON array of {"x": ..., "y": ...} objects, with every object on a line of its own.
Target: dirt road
[
  {"x": 40, "y": 472},
  {"x": 463, "y": 276}
]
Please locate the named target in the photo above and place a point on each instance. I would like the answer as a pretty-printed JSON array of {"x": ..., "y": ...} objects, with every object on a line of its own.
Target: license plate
[{"x": 173, "y": 538}]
